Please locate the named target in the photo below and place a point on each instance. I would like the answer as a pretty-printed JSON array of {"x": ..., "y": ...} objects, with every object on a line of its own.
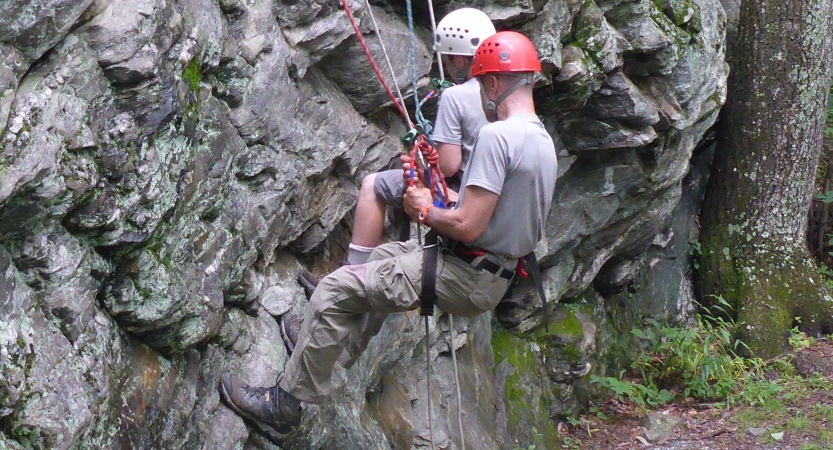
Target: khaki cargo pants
[{"x": 349, "y": 307}]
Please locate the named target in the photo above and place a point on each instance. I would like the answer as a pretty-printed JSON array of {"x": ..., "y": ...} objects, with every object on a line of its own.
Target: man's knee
[
  {"x": 339, "y": 285},
  {"x": 368, "y": 184},
  {"x": 319, "y": 301}
]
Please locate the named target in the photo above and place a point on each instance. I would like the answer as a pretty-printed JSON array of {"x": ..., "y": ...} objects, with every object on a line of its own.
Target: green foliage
[
  {"x": 696, "y": 252},
  {"x": 193, "y": 74},
  {"x": 531, "y": 446},
  {"x": 827, "y": 197},
  {"x": 827, "y": 274},
  {"x": 758, "y": 392},
  {"x": 568, "y": 443},
  {"x": 595, "y": 410},
  {"x": 798, "y": 339},
  {"x": 701, "y": 360}
]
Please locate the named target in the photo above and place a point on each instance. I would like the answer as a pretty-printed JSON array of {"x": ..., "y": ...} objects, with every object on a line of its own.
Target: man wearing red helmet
[
  {"x": 513, "y": 166},
  {"x": 507, "y": 191},
  {"x": 458, "y": 35}
]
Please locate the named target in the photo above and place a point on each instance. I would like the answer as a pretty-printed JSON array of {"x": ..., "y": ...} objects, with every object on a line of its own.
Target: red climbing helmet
[{"x": 506, "y": 51}]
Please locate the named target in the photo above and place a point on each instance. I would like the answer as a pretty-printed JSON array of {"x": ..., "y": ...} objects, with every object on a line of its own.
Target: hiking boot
[
  {"x": 272, "y": 410},
  {"x": 290, "y": 329},
  {"x": 308, "y": 281}
]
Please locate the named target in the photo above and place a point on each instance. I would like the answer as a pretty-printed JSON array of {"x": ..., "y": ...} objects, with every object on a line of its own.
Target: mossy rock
[{"x": 528, "y": 392}]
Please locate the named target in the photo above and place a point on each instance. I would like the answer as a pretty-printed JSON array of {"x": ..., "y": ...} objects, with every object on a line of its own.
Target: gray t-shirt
[
  {"x": 514, "y": 158},
  {"x": 459, "y": 117}
]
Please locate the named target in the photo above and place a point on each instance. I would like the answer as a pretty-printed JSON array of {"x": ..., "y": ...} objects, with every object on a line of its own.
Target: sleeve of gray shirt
[
  {"x": 488, "y": 165},
  {"x": 449, "y": 126}
]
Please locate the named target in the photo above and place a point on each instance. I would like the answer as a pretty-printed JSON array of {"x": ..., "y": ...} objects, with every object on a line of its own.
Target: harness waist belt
[{"x": 461, "y": 252}]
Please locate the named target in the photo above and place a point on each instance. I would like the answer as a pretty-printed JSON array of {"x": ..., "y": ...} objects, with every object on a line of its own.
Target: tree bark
[{"x": 754, "y": 218}]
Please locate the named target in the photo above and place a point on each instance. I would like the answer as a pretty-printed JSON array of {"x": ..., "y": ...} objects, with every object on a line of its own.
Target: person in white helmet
[{"x": 459, "y": 118}]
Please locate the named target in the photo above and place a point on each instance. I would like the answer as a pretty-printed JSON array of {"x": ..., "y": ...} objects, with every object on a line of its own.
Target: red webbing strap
[{"x": 433, "y": 159}]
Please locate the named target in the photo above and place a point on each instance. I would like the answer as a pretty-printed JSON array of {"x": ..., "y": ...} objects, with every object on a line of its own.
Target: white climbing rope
[
  {"x": 434, "y": 44},
  {"x": 419, "y": 234},
  {"x": 456, "y": 380},
  {"x": 451, "y": 344},
  {"x": 387, "y": 58},
  {"x": 428, "y": 381}
]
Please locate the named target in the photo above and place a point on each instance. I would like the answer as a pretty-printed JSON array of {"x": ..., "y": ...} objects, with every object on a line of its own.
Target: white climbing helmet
[{"x": 461, "y": 31}]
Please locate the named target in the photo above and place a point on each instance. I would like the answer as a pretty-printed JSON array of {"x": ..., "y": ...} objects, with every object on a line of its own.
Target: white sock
[{"x": 358, "y": 254}]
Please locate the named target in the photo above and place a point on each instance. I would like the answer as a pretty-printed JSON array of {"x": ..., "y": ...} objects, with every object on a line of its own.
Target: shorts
[{"x": 390, "y": 187}]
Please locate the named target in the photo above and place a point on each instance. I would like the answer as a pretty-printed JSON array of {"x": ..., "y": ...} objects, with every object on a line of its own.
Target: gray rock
[
  {"x": 12, "y": 68},
  {"x": 659, "y": 426},
  {"x": 681, "y": 12},
  {"x": 614, "y": 277},
  {"x": 291, "y": 14},
  {"x": 637, "y": 23},
  {"x": 755, "y": 431},
  {"x": 599, "y": 39},
  {"x": 64, "y": 272},
  {"x": 47, "y": 392},
  {"x": 547, "y": 31},
  {"x": 732, "y": 10},
  {"x": 34, "y": 27},
  {"x": 356, "y": 84},
  {"x": 210, "y": 31},
  {"x": 619, "y": 99},
  {"x": 663, "y": 288},
  {"x": 129, "y": 38},
  {"x": 321, "y": 37},
  {"x": 49, "y": 109},
  {"x": 500, "y": 11},
  {"x": 594, "y": 134}
]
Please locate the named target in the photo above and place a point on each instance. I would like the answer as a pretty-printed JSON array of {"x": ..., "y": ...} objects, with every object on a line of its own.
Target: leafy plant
[
  {"x": 595, "y": 410},
  {"x": 827, "y": 197},
  {"x": 701, "y": 360},
  {"x": 536, "y": 435},
  {"x": 193, "y": 74},
  {"x": 827, "y": 276},
  {"x": 696, "y": 252},
  {"x": 798, "y": 339},
  {"x": 568, "y": 443}
]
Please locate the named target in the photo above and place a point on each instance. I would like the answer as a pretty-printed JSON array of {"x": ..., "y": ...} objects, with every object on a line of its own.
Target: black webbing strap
[
  {"x": 532, "y": 263},
  {"x": 430, "y": 255},
  {"x": 404, "y": 228}
]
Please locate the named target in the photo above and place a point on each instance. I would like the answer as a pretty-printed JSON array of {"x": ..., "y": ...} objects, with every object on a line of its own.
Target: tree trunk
[{"x": 754, "y": 218}]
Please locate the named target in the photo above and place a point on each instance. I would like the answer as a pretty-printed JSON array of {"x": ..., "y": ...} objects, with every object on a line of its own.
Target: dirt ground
[{"x": 800, "y": 417}]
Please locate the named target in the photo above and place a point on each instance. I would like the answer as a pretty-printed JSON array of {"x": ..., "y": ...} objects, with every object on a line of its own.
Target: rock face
[{"x": 168, "y": 166}]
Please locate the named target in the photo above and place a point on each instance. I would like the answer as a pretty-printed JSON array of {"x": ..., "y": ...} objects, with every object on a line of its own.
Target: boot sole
[
  {"x": 286, "y": 341},
  {"x": 306, "y": 284},
  {"x": 273, "y": 435}
]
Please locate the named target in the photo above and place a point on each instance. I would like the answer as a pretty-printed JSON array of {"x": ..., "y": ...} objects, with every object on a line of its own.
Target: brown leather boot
[
  {"x": 290, "y": 329},
  {"x": 308, "y": 281},
  {"x": 274, "y": 411}
]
